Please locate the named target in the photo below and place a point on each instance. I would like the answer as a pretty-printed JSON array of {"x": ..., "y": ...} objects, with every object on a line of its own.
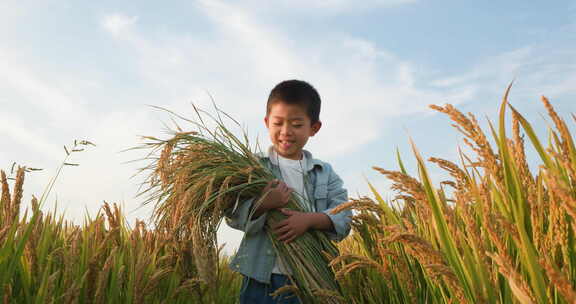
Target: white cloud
[
  {"x": 23, "y": 84},
  {"x": 346, "y": 70},
  {"x": 27, "y": 136},
  {"x": 103, "y": 169},
  {"x": 341, "y": 5},
  {"x": 536, "y": 69},
  {"x": 318, "y": 7},
  {"x": 118, "y": 24},
  {"x": 10, "y": 10},
  {"x": 13, "y": 11},
  {"x": 43, "y": 110}
]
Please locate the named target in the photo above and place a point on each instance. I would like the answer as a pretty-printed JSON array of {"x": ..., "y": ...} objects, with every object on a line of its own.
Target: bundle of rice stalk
[{"x": 201, "y": 175}]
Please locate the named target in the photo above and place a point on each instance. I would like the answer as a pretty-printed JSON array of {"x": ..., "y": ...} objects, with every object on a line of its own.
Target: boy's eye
[{"x": 296, "y": 126}]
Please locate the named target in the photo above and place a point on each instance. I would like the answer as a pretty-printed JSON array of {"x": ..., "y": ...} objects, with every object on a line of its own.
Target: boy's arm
[
  {"x": 297, "y": 223},
  {"x": 341, "y": 221},
  {"x": 275, "y": 195},
  {"x": 241, "y": 219},
  {"x": 320, "y": 221},
  {"x": 336, "y": 226}
]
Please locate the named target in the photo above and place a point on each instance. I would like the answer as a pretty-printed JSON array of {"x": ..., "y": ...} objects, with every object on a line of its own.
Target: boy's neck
[{"x": 301, "y": 154}]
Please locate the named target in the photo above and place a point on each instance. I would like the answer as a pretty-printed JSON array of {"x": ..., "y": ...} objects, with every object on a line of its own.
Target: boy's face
[{"x": 289, "y": 128}]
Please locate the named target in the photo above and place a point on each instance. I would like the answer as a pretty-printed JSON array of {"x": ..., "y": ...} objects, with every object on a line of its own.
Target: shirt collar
[{"x": 309, "y": 161}]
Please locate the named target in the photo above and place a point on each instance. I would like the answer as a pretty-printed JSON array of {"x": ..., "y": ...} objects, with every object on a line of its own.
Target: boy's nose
[{"x": 286, "y": 130}]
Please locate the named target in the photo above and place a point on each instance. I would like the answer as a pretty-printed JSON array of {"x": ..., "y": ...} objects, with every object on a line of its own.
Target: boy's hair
[{"x": 296, "y": 92}]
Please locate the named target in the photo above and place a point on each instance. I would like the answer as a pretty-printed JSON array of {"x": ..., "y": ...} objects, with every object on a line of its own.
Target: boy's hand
[
  {"x": 294, "y": 226},
  {"x": 277, "y": 195}
]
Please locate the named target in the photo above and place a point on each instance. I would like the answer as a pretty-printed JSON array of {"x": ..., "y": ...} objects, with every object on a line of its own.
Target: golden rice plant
[
  {"x": 497, "y": 231},
  {"x": 196, "y": 178},
  {"x": 45, "y": 259}
]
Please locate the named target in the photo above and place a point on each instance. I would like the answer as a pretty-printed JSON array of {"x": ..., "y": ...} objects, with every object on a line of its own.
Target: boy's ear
[
  {"x": 266, "y": 121},
  {"x": 316, "y": 127}
]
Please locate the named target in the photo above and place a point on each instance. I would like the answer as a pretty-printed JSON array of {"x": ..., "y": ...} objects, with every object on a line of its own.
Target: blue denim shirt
[{"x": 255, "y": 257}]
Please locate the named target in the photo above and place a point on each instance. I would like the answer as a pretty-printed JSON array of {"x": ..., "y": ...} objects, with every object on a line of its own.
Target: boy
[{"x": 292, "y": 117}]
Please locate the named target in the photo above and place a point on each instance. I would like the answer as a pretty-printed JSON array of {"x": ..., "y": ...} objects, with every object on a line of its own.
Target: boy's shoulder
[{"x": 315, "y": 162}]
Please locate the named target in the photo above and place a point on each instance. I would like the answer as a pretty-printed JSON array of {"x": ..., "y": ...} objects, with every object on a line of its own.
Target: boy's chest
[{"x": 315, "y": 186}]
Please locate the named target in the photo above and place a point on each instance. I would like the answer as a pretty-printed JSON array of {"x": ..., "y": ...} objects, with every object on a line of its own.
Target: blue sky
[{"x": 86, "y": 70}]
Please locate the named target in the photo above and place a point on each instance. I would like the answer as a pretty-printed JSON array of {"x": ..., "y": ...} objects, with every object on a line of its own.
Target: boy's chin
[{"x": 290, "y": 154}]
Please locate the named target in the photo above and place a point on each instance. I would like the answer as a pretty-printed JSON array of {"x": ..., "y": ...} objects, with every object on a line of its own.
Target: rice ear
[{"x": 5, "y": 202}]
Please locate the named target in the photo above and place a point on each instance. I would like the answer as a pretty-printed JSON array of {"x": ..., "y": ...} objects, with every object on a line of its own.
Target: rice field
[{"x": 497, "y": 231}]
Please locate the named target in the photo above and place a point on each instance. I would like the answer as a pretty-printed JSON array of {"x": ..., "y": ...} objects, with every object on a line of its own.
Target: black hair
[{"x": 296, "y": 92}]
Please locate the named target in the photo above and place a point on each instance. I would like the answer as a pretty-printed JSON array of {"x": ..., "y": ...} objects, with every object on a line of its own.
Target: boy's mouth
[{"x": 284, "y": 144}]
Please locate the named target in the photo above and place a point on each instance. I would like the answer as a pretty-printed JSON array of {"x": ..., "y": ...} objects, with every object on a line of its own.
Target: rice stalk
[{"x": 499, "y": 233}]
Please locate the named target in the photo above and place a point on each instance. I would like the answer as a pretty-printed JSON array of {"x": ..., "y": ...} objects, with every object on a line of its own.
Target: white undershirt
[{"x": 292, "y": 174}]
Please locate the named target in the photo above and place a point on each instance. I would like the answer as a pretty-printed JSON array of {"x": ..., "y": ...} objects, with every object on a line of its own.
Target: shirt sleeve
[
  {"x": 240, "y": 218},
  {"x": 336, "y": 196}
]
